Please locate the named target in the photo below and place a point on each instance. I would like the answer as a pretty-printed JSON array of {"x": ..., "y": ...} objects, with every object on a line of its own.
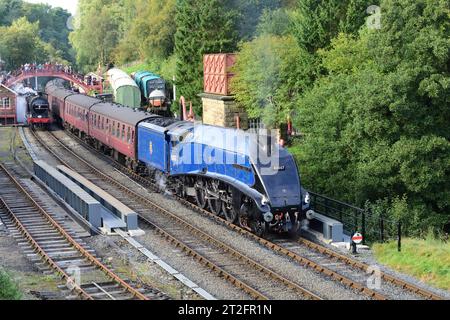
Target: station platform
[{"x": 102, "y": 211}]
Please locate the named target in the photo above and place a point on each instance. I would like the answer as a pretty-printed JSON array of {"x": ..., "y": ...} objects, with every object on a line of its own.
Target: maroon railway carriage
[
  {"x": 109, "y": 127},
  {"x": 113, "y": 128},
  {"x": 76, "y": 113},
  {"x": 57, "y": 98}
]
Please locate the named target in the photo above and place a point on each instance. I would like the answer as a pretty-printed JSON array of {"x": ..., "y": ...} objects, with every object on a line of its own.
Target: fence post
[
  {"x": 381, "y": 227},
  {"x": 363, "y": 222},
  {"x": 399, "y": 231}
]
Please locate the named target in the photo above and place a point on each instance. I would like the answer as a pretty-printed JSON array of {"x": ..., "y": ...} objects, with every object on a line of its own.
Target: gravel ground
[
  {"x": 387, "y": 289},
  {"x": 136, "y": 266}
]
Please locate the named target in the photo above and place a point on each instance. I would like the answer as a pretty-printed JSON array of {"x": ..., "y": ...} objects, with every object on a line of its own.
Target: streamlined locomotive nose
[{"x": 281, "y": 182}]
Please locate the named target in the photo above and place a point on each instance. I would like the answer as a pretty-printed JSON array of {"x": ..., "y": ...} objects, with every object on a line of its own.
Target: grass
[
  {"x": 427, "y": 260},
  {"x": 5, "y": 144},
  {"x": 9, "y": 290}
]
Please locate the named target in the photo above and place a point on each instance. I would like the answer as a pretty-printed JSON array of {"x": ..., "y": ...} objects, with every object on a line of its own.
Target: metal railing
[{"x": 374, "y": 227}]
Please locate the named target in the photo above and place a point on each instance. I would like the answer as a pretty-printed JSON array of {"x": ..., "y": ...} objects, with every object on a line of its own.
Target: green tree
[
  {"x": 248, "y": 13},
  {"x": 271, "y": 73},
  {"x": 203, "y": 26},
  {"x": 315, "y": 23},
  {"x": 275, "y": 22},
  {"x": 10, "y": 10},
  {"x": 52, "y": 26},
  {"x": 376, "y": 127},
  {"x": 149, "y": 33},
  {"x": 19, "y": 44},
  {"x": 99, "y": 33}
]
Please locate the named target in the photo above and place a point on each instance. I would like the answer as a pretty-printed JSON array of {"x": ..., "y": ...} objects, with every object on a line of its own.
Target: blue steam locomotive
[{"x": 243, "y": 177}]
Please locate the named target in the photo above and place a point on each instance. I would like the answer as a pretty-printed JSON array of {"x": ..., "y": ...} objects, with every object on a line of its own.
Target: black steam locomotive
[{"x": 38, "y": 111}]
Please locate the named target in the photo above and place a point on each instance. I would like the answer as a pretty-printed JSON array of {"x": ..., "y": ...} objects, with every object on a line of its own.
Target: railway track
[
  {"x": 56, "y": 249},
  {"x": 319, "y": 258},
  {"x": 256, "y": 280}
]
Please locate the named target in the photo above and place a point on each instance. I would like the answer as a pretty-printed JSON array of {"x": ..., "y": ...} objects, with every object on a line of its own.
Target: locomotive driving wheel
[
  {"x": 227, "y": 206},
  {"x": 200, "y": 194},
  {"x": 214, "y": 202}
]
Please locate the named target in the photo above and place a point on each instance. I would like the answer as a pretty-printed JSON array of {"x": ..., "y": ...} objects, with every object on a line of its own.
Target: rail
[{"x": 69, "y": 239}]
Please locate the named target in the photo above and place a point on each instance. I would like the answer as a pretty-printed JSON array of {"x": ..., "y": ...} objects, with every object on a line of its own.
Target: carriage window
[
  {"x": 95, "y": 120},
  {"x": 132, "y": 136},
  {"x": 114, "y": 128},
  {"x": 118, "y": 130},
  {"x": 129, "y": 135},
  {"x": 123, "y": 133}
]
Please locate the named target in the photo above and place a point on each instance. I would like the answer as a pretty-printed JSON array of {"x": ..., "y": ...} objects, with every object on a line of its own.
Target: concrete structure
[
  {"x": 8, "y": 106},
  {"x": 122, "y": 216},
  {"x": 223, "y": 111},
  {"x": 331, "y": 229},
  {"x": 81, "y": 202}
]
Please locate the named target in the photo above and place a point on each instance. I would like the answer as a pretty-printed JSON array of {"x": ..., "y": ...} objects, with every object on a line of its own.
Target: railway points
[{"x": 56, "y": 250}]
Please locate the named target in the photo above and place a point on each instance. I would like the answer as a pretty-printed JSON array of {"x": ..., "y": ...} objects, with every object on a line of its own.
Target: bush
[{"x": 8, "y": 288}]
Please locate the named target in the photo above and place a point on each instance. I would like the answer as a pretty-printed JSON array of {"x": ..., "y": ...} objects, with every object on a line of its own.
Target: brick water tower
[{"x": 219, "y": 105}]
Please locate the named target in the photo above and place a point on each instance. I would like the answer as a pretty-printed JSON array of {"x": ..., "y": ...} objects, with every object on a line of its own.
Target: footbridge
[{"x": 75, "y": 79}]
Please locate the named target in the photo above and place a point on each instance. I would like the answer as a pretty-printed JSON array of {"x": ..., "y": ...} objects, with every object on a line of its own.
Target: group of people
[
  {"x": 49, "y": 67},
  {"x": 43, "y": 67}
]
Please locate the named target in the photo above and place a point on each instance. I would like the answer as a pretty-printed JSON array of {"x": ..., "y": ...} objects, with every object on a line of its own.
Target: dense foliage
[
  {"x": 33, "y": 33},
  {"x": 376, "y": 126},
  {"x": 203, "y": 26},
  {"x": 8, "y": 288}
]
